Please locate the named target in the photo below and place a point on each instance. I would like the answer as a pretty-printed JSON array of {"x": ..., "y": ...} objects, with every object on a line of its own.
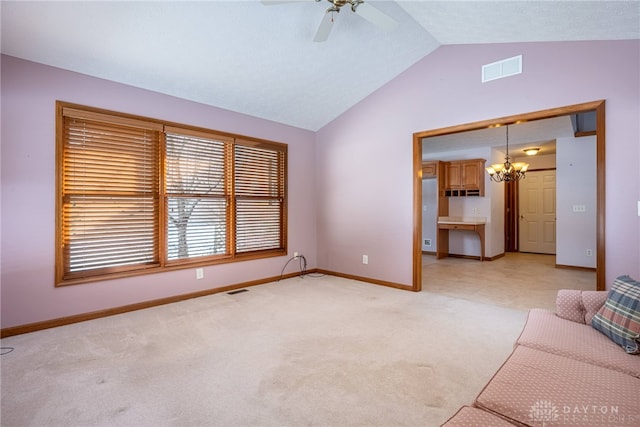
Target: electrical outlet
[
  {"x": 296, "y": 254},
  {"x": 199, "y": 273},
  {"x": 589, "y": 252},
  {"x": 365, "y": 259},
  {"x": 476, "y": 211}
]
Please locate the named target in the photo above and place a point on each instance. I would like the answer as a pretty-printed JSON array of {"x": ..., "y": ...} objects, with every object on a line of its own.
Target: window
[
  {"x": 259, "y": 196},
  {"x": 137, "y": 195},
  {"x": 197, "y": 195}
]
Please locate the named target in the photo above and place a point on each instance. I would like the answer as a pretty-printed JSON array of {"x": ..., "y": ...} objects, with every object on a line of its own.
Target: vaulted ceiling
[{"x": 261, "y": 59}]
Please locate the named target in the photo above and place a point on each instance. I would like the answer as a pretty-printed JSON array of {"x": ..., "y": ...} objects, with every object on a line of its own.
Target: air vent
[
  {"x": 239, "y": 291},
  {"x": 504, "y": 68}
]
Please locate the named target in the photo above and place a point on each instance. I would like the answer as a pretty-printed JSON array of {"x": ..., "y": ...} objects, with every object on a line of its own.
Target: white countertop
[{"x": 462, "y": 220}]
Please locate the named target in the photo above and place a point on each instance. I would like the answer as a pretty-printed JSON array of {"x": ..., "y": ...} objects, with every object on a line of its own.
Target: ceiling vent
[{"x": 504, "y": 68}]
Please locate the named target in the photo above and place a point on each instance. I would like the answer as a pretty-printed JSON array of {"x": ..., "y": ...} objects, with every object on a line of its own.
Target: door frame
[
  {"x": 597, "y": 106},
  {"x": 511, "y": 215}
]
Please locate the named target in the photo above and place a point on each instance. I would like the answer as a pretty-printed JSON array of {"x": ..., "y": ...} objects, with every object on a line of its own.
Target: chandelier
[{"x": 507, "y": 171}]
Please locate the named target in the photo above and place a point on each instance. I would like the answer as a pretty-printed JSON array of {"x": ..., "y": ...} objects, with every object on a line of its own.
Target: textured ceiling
[{"x": 261, "y": 60}]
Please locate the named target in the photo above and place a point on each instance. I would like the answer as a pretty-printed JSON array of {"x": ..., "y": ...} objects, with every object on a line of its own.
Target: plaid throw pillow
[{"x": 619, "y": 317}]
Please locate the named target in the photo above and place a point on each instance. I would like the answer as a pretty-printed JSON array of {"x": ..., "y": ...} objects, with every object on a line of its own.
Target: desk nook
[
  {"x": 448, "y": 223},
  {"x": 456, "y": 179}
]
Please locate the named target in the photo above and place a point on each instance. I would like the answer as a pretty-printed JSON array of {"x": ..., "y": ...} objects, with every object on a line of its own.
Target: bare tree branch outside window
[{"x": 196, "y": 197}]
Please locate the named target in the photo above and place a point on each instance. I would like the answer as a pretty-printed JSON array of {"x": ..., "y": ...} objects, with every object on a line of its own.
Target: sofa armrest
[
  {"x": 592, "y": 301},
  {"x": 569, "y": 305}
]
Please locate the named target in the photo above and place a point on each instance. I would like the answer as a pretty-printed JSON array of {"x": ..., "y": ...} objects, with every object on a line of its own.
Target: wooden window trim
[{"x": 95, "y": 114}]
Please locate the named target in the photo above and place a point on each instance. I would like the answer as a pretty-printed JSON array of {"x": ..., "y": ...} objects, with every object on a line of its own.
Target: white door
[{"x": 537, "y": 206}]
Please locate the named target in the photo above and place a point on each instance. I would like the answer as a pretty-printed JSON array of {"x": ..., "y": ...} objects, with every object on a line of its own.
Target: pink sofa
[{"x": 562, "y": 371}]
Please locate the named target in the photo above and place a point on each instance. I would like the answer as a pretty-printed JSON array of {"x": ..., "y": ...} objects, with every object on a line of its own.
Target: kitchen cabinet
[
  {"x": 429, "y": 170},
  {"x": 464, "y": 178}
]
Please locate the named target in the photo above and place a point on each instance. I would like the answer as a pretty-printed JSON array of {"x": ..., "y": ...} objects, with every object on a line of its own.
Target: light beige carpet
[{"x": 301, "y": 352}]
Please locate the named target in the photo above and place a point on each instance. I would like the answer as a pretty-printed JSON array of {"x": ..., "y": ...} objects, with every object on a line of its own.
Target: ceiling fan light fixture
[{"x": 359, "y": 7}]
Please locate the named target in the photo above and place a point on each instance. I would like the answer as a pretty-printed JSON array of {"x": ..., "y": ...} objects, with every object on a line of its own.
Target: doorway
[{"x": 597, "y": 106}]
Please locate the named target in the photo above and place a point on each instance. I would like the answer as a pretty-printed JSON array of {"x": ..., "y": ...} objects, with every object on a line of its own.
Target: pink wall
[
  {"x": 360, "y": 199},
  {"x": 364, "y": 158},
  {"x": 29, "y": 92}
]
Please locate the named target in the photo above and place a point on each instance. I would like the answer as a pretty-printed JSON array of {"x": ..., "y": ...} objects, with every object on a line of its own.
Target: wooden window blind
[
  {"x": 259, "y": 197},
  {"x": 197, "y": 194},
  {"x": 136, "y": 195},
  {"x": 109, "y": 195}
]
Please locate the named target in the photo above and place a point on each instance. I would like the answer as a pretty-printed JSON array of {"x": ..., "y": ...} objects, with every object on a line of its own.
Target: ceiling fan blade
[
  {"x": 376, "y": 17},
  {"x": 324, "y": 29}
]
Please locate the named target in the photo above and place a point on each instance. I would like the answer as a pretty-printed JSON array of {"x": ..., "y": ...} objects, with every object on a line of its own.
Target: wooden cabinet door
[
  {"x": 464, "y": 177},
  {"x": 430, "y": 170},
  {"x": 471, "y": 175},
  {"x": 453, "y": 175}
]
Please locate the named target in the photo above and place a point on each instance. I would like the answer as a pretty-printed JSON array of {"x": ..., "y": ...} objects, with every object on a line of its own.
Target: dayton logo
[{"x": 544, "y": 411}]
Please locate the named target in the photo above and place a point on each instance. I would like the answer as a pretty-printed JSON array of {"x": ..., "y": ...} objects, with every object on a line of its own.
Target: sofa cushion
[
  {"x": 535, "y": 387},
  {"x": 579, "y": 306},
  {"x": 619, "y": 317},
  {"x": 545, "y": 331},
  {"x": 569, "y": 305},
  {"x": 468, "y": 416}
]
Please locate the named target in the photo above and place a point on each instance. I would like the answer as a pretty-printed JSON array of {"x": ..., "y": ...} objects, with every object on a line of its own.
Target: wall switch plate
[
  {"x": 427, "y": 242},
  {"x": 199, "y": 273},
  {"x": 638, "y": 207},
  {"x": 365, "y": 259}
]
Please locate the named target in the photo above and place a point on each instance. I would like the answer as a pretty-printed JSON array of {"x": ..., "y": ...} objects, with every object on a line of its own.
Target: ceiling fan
[{"x": 359, "y": 7}]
